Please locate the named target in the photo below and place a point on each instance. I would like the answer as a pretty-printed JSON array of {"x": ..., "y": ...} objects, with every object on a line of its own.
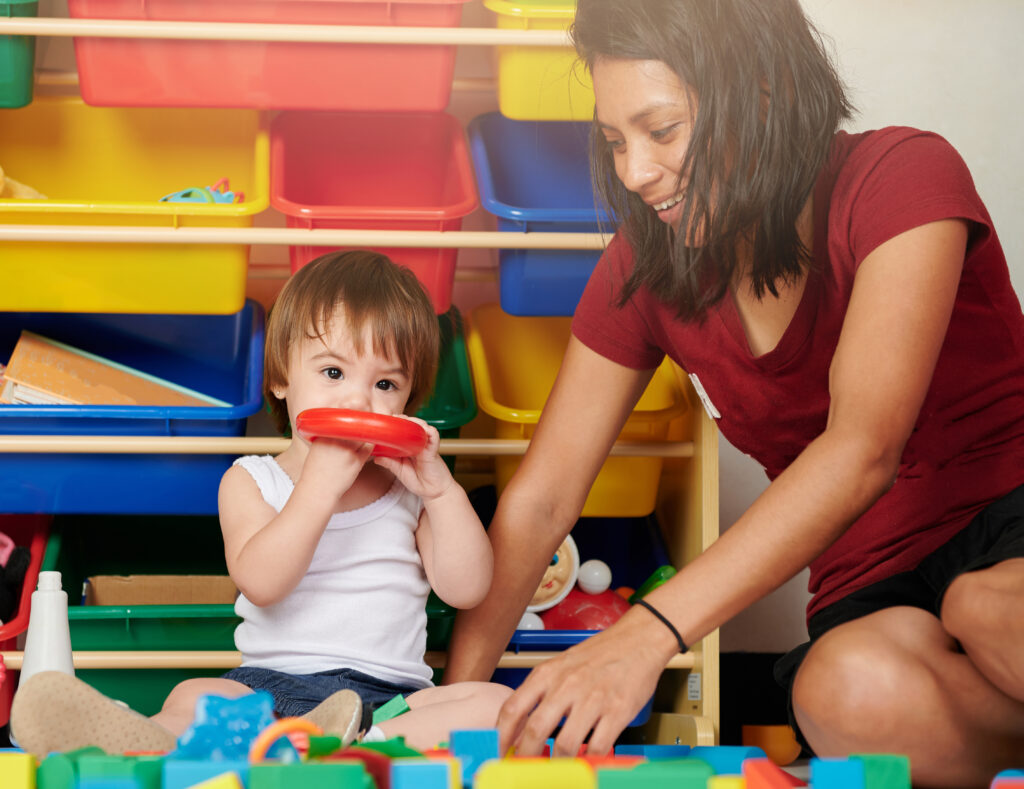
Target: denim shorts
[
  {"x": 297, "y": 694},
  {"x": 994, "y": 535}
]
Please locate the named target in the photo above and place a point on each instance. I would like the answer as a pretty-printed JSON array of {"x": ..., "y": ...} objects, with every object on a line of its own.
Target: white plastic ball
[
  {"x": 595, "y": 576},
  {"x": 530, "y": 621}
]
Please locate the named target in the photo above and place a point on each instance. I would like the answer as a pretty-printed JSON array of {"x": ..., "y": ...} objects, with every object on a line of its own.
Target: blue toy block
[
  {"x": 421, "y": 774},
  {"x": 1010, "y": 774},
  {"x": 654, "y": 752},
  {"x": 837, "y": 774},
  {"x": 184, "y": 773},
  {"x": 726, "y": 759},
  {"x": 473, "y": 747},
  {"x": 885, "y": 771}
]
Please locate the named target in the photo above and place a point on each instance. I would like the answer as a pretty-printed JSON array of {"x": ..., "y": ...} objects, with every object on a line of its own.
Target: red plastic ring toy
[{"x": 391, "y": 436}]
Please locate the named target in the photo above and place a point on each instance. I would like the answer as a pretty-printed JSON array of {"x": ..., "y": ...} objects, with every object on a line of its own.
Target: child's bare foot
[
  {"x": 53, "y": 711},
  {"x": 339, "y": 714}
]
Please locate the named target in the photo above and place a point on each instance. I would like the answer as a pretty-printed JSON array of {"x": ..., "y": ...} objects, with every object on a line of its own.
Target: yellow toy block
[
  {"x": 726, "y": 782},
  {"x": 222, "y": 781},
  {"x": 535, "y": 774},
  {"x": 17, "y": 770}
]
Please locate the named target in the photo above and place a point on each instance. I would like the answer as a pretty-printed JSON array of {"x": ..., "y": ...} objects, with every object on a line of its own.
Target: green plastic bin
[
  {"x": 82, "y": 546},
  {"x": 17, "y": 58}
]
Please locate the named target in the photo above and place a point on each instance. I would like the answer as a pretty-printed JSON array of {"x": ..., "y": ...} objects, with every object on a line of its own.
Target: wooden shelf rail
[
  {"x": 117, "y": 659},
  {"x": 270, "y": 445},
  {"x": 253, "y": 31}
]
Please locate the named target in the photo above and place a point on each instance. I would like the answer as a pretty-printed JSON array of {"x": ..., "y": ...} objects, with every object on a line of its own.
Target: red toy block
[
  {"x": 376, "y": 764},
  {"x": 765, "y": 774}
]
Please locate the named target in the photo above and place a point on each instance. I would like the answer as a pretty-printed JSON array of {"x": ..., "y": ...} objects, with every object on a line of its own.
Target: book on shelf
[{"x": 42, "y": 371}]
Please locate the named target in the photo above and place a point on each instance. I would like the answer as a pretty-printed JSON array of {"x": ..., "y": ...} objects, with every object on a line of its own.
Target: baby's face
[
  {"x": 556, "y": 577},
  {"x": 342, "y": 371}
]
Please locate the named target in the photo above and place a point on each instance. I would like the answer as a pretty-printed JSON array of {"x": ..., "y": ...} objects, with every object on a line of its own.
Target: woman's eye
[
  {"x": 613, "y": 144},
  {"x": 333, "y": 373},
  {"x": 661, "y": 134}
]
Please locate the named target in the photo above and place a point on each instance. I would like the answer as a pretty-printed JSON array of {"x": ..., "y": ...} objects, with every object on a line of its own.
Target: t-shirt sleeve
[
  {"x": 618, "y": 333},
  {"x": 901, "y": 179}
]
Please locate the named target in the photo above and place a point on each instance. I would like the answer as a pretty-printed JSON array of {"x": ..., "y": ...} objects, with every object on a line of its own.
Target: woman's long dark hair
[{"x": 769, "y": 101}]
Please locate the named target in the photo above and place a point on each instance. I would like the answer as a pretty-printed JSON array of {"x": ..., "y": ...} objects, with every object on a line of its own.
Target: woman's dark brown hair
[
  {"x": 767, "y": 95},
  {"x": 382, "y": 301}
]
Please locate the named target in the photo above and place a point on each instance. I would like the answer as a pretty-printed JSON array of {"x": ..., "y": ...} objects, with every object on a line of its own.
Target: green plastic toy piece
[
  {"x": 390, "y": 709},
  {"x": 60, "y": 770},
  {"x": 656, "y": 579},
  {"x": 310, "y": 775},
  {"x": 393, "y": 748},
  {"x": 885, "y": 771},
  {"x": 323, "y": 746}
]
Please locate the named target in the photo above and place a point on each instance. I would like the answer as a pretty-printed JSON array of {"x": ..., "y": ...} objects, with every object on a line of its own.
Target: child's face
[{"x": 341, "y": 371}]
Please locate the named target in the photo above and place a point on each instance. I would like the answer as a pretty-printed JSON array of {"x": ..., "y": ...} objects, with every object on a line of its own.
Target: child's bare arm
[
  {"x": 451, "y": 540},
  {"x": 269, "y": 552}
]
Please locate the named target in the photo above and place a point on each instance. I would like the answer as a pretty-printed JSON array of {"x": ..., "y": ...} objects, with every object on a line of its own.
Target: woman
[{"x": 845, "y": 304}]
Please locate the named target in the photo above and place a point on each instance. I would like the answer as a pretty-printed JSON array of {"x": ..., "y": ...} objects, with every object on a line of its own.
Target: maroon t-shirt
[{"x": 967, "y": 447}]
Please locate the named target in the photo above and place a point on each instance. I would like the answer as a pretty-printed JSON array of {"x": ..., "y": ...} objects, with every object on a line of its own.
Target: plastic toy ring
[{"x": 391, "y": 436}]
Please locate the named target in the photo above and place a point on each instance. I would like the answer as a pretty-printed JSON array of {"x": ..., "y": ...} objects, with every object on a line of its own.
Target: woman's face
[{"x": 646, "y": 115}]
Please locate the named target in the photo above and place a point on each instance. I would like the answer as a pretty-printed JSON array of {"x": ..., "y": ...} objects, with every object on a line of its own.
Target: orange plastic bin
[
  {"x": 375, "y": 171},
  {"x": 266, "y": 74}
]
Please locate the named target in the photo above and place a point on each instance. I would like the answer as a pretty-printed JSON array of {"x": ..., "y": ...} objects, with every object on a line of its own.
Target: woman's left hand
[{"x": 598, "y": 686}]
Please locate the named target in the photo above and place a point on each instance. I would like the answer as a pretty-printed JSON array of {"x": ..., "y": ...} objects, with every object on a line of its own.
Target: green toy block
[
  {"x": 323, "y": 746},
  {"x": 395, "y": 748},
  {"x": 310, "y": 775},
  {"x": 17, "y": 770},
  {"x": 885, "y": 771},
  {"x": 664, "y": 774},
  {"x": 60, "y": 770},
  {"x": 390, "y": 709},
  {"x": 143, "y": 772}
]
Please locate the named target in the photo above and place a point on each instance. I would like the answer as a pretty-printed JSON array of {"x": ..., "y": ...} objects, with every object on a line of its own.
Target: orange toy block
[{"x": 764, "y": 774}]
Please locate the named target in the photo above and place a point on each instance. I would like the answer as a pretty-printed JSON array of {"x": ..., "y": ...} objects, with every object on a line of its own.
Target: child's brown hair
[{"x": 380, "y": 297}]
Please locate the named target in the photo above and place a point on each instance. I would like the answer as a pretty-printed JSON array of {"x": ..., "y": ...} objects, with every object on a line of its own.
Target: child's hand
[
  {"x": 424, "y": 474},
  {"x": 333, "y": 464}
]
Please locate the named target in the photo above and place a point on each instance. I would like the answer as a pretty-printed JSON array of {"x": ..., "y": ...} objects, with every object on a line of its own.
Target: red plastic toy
[
  {"x": 582, "y": 611},
  {"x": 391, "y": 436}
]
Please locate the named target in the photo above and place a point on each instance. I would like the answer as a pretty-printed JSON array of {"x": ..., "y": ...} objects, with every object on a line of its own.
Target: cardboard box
[{"x": 158, "y": 590}]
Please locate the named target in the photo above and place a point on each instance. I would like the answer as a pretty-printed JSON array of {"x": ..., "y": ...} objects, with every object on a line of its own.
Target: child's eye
[
  {"x": 334, "y": 373},
  {"x": 386, "y": 386}
]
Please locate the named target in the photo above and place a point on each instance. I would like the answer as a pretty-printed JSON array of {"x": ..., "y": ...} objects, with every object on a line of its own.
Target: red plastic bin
[
  {"x": 375, "y": 171},
  {"x": 31, "y": 531},
  {"x": 267, "y": 74}
]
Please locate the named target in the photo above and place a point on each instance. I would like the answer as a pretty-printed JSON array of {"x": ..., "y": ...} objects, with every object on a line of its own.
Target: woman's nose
[{"x": 637, "y": 168}]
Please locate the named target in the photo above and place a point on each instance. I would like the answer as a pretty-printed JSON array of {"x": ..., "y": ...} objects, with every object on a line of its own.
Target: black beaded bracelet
[{"x": 664, "y": 620}]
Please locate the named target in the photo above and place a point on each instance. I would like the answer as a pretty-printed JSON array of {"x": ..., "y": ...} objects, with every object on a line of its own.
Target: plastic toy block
[
  {"x": 222, "y": 781},
  {"x": 390, "y": 709},
  {"x": 309, "y": 775},
  {"x": 1007, "y": 783},
  {"x": 612, "y": 762},
  {"x": 663, "y": 774},
  {"x": 376, "y": 764},
  {"x": 726, "y": 759},
  {"x": 537, "y": 773},
  {"x": 837, "y": 774},
  {"x": 186, "y": 773},
  {"x": 885, "y": 771},
  {"x": 654, "y": 752},
  {"x": 727, "y": 782},
  {"x": 426, "y": 774},
  {"x": 97, "y": 771},
  {"x": 765, "y": 774},
  {"x": 393, "y": 748},
  {"x": 60, "y": 770},
  {"x": 473, "y": 747},
  {"x": 17, "y": 770}
]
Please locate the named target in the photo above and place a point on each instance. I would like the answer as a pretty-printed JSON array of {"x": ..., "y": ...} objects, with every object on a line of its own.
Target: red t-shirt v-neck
[{"x": 967, "y": 447}]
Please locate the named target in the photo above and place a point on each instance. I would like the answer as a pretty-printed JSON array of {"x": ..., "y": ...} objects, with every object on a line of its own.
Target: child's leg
[
  {"x": 53, "y": 711},
  {"x": 434, "y": 712},
  {"x": 180, "y": 705}
]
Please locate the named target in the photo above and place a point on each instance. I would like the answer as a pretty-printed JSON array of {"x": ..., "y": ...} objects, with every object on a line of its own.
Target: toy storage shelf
[{"x": 687, "y": 504}]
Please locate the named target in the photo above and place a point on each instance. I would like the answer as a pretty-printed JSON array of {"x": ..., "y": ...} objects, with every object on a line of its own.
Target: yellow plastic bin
[
  {"x": 110, "y": 167},
  {"x": 540, "y": 83},
  {"x": 515, "y": 361}
]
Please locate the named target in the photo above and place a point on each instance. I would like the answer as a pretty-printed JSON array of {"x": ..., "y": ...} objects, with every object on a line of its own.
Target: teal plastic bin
[{"x": 17, "y": 58}]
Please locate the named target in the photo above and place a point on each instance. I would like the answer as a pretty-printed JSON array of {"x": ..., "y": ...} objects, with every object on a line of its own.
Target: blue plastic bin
[
  {"x": 632, "y": 548},
  {"x": 218, "y": 355},
  {"x": 535, "y": 176}
]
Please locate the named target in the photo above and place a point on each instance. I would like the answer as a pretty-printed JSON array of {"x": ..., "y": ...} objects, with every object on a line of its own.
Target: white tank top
[{"x": 361, "y": 603}]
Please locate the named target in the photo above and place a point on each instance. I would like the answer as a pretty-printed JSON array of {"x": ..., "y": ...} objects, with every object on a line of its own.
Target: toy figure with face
[{"x": 559, "y": 578}]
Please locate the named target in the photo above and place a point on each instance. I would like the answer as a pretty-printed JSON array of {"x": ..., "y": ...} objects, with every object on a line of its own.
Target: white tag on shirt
[{"x": 709, "y": 407}]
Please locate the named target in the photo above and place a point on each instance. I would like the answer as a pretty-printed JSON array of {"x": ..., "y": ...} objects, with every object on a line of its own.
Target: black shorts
[{"x": 994, "y": 535}]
